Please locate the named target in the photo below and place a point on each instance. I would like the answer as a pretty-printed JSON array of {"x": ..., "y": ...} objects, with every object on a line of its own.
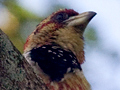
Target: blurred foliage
[
  {"x": 18, "y": 11},
  {"x": 21, "y": 22},
  {"x": 18, "y": 16}
]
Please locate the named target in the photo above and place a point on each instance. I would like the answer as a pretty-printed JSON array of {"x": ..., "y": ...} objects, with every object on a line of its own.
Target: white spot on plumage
[
  {"x": 49, "y": 50},
  {"x": 28, "y": 58},
  {"x": 74, "y": 57},
  {"x": 43, "y": 47},
  {"x": 58, "y": 55},
  {"x": 61, "y": 54},
  {"x": 64, "y": 59},
  {"x": 71, "y": 56},
  {"x": 69, "y": 69},
  {"x": 54, "y": 47},
  {"x": 54, "y": 53},
  {"x": 74, "y": 62},
  {"x": 60, "y": 51},
  {"x": 53, "y": 58}
]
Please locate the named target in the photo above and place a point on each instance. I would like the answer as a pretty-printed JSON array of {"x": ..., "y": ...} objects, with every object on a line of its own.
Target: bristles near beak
[{"x": 81, "y": 19}]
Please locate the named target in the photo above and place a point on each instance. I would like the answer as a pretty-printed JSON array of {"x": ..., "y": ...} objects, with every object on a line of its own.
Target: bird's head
[{"x": 63, "y": 28}]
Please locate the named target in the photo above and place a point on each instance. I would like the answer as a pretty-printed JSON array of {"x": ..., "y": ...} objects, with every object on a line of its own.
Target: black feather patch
[{"x": 55, "y": 62}]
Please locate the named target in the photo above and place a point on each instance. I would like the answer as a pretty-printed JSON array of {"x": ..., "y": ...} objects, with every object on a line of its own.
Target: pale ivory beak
[{"x": 80, "y": 20}]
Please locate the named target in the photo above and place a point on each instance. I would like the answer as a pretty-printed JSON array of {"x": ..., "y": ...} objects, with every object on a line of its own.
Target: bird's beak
[{"x": 80, "y": 20}]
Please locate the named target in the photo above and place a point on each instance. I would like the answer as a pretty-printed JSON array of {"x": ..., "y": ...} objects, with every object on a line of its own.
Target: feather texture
[{"x": 55, "y": 50}]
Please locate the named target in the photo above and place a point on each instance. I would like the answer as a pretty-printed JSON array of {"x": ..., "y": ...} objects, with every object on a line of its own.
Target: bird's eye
[{"x": 61, "y": 17}]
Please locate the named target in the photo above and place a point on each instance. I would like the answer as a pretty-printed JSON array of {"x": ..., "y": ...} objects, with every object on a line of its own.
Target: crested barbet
[{"x": 55, "y": 50}]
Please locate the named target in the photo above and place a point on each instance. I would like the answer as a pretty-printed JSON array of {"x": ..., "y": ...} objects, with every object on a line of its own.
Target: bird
[{"x": 55, "y": 49}]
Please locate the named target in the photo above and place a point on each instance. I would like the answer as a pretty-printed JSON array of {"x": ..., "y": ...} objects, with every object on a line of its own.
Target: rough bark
[{"x": 15, "y": 72}]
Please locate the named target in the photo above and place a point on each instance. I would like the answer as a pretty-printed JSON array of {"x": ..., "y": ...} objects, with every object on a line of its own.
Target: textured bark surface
[{"x": 15, "y": 72}]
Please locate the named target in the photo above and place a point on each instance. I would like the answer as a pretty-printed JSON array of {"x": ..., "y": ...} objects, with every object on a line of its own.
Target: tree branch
[{"x": 15, "y": 72}]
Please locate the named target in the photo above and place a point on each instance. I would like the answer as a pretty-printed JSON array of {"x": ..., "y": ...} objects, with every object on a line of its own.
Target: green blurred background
[{"x": 18, "y": 22}]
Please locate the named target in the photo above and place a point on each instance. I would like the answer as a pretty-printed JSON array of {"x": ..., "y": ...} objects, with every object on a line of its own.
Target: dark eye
[{"x": 61, "y": 17}]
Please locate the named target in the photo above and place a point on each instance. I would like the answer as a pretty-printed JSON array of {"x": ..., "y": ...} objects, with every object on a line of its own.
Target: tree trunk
[{"x": 15, "y": 72}]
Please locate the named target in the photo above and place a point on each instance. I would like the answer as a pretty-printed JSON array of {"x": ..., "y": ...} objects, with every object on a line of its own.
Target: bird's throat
[{"x": 71, "y": 40}]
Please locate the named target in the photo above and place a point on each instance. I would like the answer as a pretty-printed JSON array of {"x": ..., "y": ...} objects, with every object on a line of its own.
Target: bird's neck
[
  {"x": 71, "y": 40},
  {"x": 67, "y": 38}
]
